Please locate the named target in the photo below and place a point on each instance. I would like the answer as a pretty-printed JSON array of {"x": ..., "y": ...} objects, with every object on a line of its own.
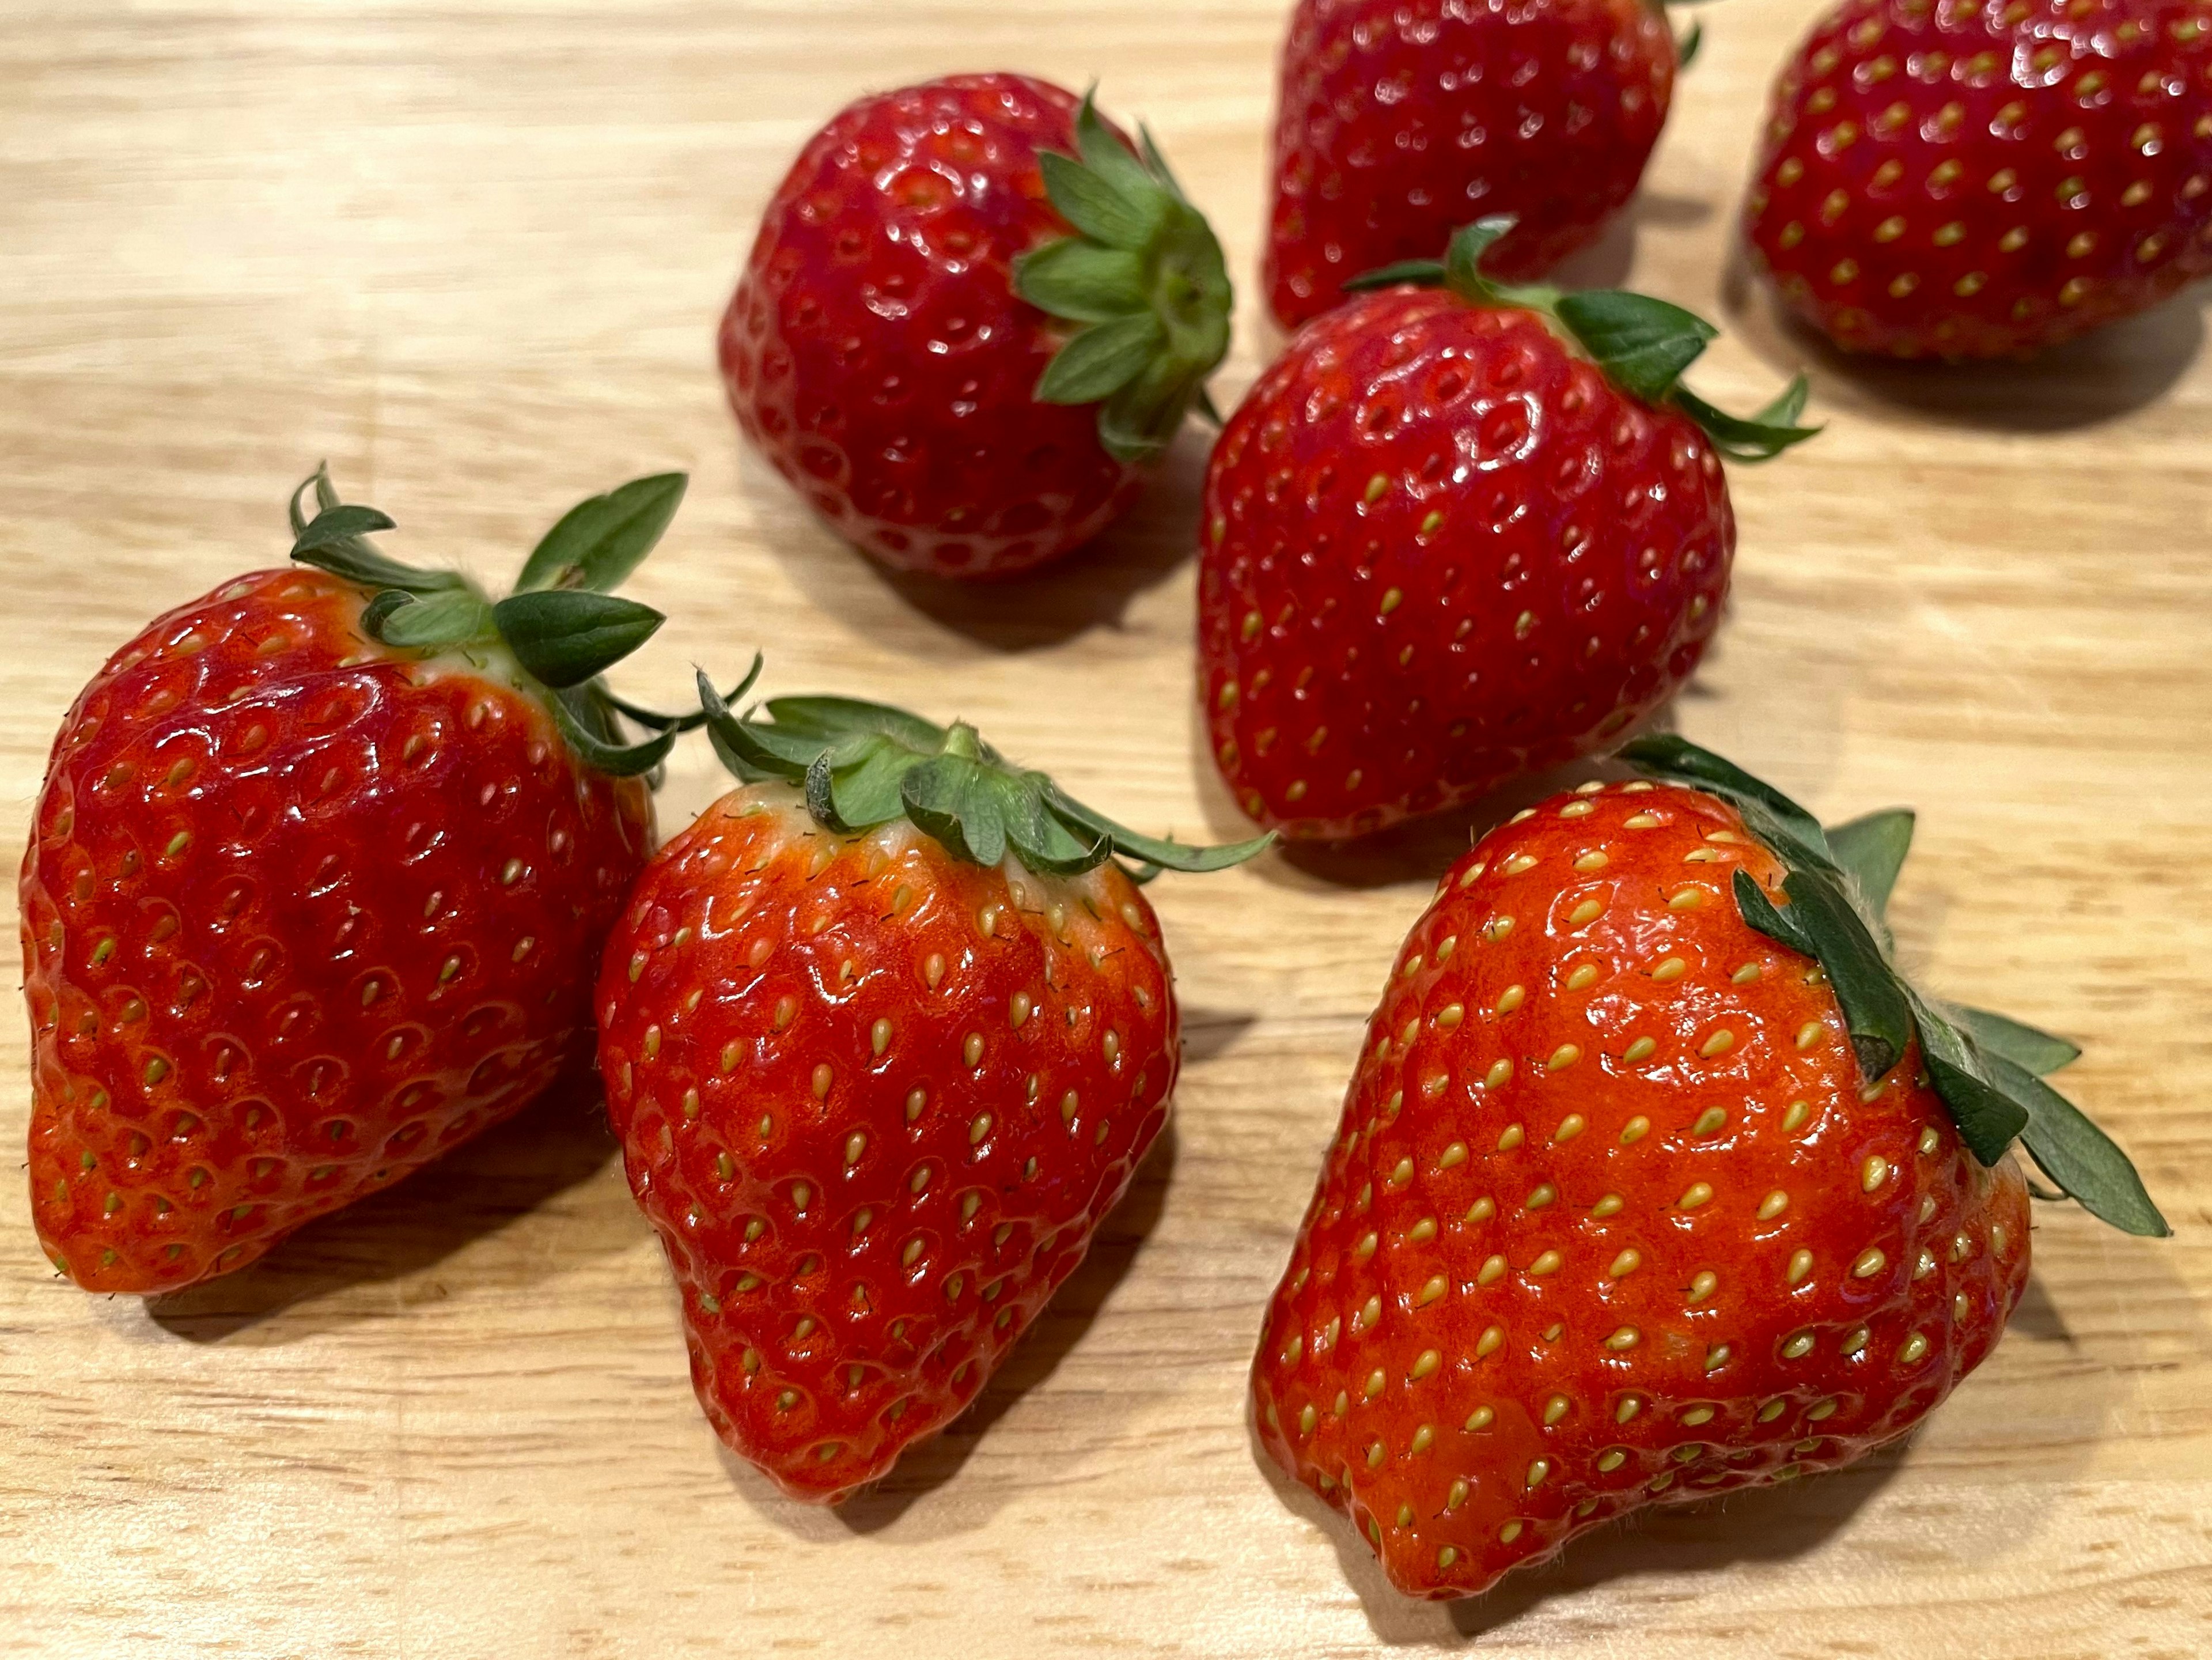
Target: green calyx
[
  {"x": 1988, "y": 1069},
  {"x": 865, "y": 764},
  {"x": 1643, "y": 345},
  {"x": 1144, "y": 278},
  {"x": 561, "y": 627}
]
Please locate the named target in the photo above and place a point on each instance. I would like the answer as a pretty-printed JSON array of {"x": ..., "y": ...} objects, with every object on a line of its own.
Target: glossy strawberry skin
[
  {"x": 875, "y": 1102},
  {"x": 1463, "y": 1357},
  {"x": 298, "y": 918},
  {"x": 1980, "y": 181},
  {"x": 876, "y": 352},
  {"x": 1396, "y": 124},
  {"x": 1442, "y": 550}
]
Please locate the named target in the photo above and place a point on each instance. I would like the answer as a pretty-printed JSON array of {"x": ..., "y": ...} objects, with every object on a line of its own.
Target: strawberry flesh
[{"x": 1958, "y": 181}]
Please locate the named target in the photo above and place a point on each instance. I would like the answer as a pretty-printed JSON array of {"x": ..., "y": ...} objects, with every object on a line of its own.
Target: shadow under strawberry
[
  {"x": 933, "y": 1462},
  {"x": 557, "y": 1144},
  {"x": 2100, "y": 377},
  {"x": 1092, "y": 587}
]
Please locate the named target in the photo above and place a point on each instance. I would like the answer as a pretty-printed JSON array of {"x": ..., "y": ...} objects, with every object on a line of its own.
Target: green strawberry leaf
[
  {"x": 584, "y": 724},
  {"x": 1875, "y": 1012},
  {"x": 565, "y": 636},
  {"x": 1146, "y": 275},
  {"x": 655, "y": 721},
  {"x": 1987, "y": 1118},
  {"x": 961, "y": 802},
  {"x": 1101, "y": 360},
  {"x": 430, "y": 623},
  {"x": 863, "y": 764},
  {"x": 1642, "y": 344},
  {"x": 1167, "y": 854},
  {"x": 1762, "y": 437},
  {"x": 1686, "y": 48},
  {"x": 1094, "y": 206},
  {"x": 1871, "y": 851},
  {"x": 2085, "y": 1162},
  {"x": 1108, "y": 160},
  {"x": 833, "y": 718},
  {"x": 1083, "y": 282},
  {"x": 1421, "y": 273},
  {"x": 2034, "y": 1051},
  {"x": 599, "y": 541},
  {"x": 1041, "y": 841}
]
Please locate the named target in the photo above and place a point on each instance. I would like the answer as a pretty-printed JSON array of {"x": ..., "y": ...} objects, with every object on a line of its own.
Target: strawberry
[
  {"x": 884, "y": 1034},
  {"x": 971, "y": 316},
  {"x": 1960, "y": 181},
  {"x": 1460, "y": 534},
  {"x": 1654, "y": 1181},
  {"x": 317, "y": 883},
  {"x": 1398, "y": 122}
]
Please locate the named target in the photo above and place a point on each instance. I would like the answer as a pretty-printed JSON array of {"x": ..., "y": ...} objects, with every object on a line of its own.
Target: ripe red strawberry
[
  {"x": 901, "y": 345},
  {"x": 1961, "y": 180},
  {"x": 1634, "y": 1201},
  {"x": 1398, "y": 123},
  {"x": 317, "y": 884},
  {"x": 1457, "y": 534},
  {"x": 882, "y": 1051}
]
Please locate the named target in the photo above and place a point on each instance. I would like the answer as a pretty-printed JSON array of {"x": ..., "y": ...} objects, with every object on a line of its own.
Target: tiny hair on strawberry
[
  {"x": 1460, "y": 531},
  {"x": 318, "y": 880},
  {"x": 1656, "y": 1180},
  {"x": 886, "y": 1033},
  {"x": 973, "y": 313}
]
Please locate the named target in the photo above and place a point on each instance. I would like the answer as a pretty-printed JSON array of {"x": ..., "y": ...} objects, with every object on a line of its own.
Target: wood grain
[{"x": 472, "y": 252}]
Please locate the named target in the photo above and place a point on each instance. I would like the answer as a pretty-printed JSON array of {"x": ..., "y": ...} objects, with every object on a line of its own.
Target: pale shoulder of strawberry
[
  {"x": 553, "y": 637},
  {"x": 1989, "y": 1069},
  {"x": 1644, "y": 345}
]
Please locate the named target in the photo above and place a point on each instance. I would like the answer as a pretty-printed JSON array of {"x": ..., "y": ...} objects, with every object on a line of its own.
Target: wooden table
[{"x": 471, "y": 251}]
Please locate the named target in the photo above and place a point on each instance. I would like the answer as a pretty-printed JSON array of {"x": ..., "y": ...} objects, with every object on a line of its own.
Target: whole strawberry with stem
[
  {"x": 886, "y": 1033},
  {"x": 1457, "y": 534},
  {"x": 1958, "y": 181},
  {"x": 973, "y": 313},
  {"x": 1398, "y": 123},
  {"x": 317, "y": 884},
  {"x": 1654, "y": 1181}
]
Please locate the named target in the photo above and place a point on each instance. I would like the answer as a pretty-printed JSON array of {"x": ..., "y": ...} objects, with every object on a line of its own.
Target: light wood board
[{"x": 472, "y": 252}]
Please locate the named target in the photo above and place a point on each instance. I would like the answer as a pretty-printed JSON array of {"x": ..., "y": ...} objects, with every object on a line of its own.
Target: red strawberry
[
  {"x": 882, "y": 1052},
  {"x": 317, "y": 884},
  {"x": 1635, "y": 1200},
  {"x": 1961, "y": 180},
  {"x": 1399, "y": 122},
  {"x": 900, "y": 347},
  {"x": 1457, "y": 534}
]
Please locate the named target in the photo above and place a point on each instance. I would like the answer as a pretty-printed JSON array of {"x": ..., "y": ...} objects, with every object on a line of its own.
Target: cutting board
[{"x": 472, "y": 252}]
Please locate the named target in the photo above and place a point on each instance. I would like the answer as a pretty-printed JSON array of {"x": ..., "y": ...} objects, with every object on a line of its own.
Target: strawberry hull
[
  {"x": 876, "y": 354},
  {"x": 1611, "y": 1219},
  {"x": 298, "y": 918}
]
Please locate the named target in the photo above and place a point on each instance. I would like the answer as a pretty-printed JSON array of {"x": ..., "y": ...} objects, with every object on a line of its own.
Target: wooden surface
[{"x": 471, "y": 251}]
